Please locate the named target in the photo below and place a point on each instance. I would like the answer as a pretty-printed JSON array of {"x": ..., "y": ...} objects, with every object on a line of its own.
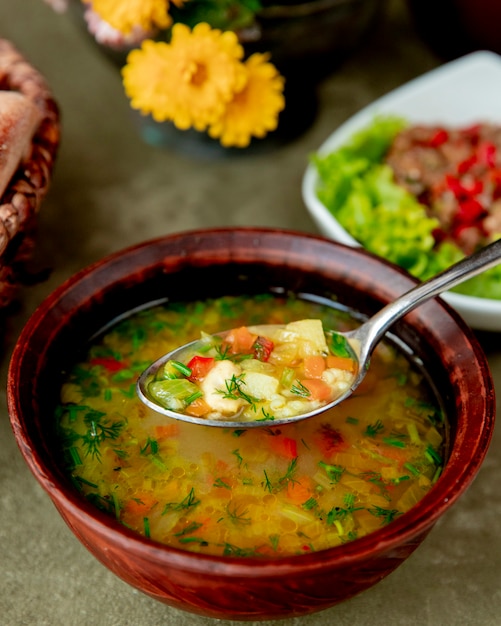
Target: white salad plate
[{"x": 462, "y": 92}]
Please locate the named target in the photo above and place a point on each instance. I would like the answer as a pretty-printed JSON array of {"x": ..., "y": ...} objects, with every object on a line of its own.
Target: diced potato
[
  {"x": 260, "y": 386},
  {"x": 310, "y": 330},
  {"x": 253, "y": 365}
]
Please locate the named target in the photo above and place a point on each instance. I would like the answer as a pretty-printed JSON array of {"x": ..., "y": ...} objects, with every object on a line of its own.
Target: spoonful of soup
[{"x": 255, "y": 375}]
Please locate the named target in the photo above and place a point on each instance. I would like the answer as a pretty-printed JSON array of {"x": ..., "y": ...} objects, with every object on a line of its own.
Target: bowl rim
[{"x": 414, "y": 523}]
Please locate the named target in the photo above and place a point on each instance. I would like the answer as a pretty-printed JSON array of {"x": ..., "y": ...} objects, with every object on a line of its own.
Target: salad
[{"x": 422, "y": 197}]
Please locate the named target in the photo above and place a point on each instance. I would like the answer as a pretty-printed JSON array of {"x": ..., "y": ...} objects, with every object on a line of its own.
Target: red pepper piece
[
  {"x": 461, "y": 191},
  {"x": 487, "y": 153},
  {"x": 473, "y": 188},
  {"x": 470, "y": 211},
  {"x": 109, "y": 363},
  {"x": 439, "y": 138},
  {"x": 467, "y": 164},
  {"x": 200, "y": 367},
  {"x": 454, "y": 185},
  {"x": 262, "y": 348}
]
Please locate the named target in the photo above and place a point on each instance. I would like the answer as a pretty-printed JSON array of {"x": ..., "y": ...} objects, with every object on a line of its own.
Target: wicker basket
[{"x": 20, "y": 203}]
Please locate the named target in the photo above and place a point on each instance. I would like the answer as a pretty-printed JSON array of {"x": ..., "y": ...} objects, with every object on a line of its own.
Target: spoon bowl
[
  {"x": 183, "y": 355},
  {"x": 362, "y": 341}
]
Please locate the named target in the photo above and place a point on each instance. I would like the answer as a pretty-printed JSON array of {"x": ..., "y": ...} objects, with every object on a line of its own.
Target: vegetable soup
[
  {"x": 255, "y": 373},
  {"x": 267, "y": 491}
]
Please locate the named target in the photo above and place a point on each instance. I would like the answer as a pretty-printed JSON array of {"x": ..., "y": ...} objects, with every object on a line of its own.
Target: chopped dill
[
  {"x": 374, "y": 429},
  {"x": 300, "y": 390},
  {"x": 219, "y": 482},
  {"x": 238, "y": 514},
  {"x": 187, "y": 503},
  {"x": 234, "y": 390}
]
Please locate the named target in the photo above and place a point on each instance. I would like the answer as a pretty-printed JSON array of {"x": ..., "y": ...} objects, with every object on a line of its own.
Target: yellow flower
[
  {"x": 254, "y": 110},
  {"x": 125, "y": 15},
  {"x": 188, "y": 81}
]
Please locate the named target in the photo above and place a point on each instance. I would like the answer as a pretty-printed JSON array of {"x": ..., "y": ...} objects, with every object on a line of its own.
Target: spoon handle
[{"x": 371, "y": 331}]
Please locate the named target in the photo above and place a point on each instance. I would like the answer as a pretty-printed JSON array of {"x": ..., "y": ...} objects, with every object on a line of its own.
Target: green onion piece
[
  {"x": 75, "y": 456},
  {"x": 311, "y": 503},
  {"x": 339, "y": 346},
  {"x": 174, "y": 369},
  {"x": 412, "y": 469},
  {"x": 172, "y": 393},
  {"x": 393, "y": 441},
  {"x": 432, "y": 455},
  {"x": 287, "y": 377}
]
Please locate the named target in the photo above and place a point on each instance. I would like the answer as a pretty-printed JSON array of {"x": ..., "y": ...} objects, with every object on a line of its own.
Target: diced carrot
[
  {"x": 241, "y": 340},
  {"x": 314, "y": 366},
  {"x": 164, "y": 431},
  {"x": 220, "y": 466},
  {"x": 299, "y": 491},
  {"x": 141, "y": 504},
  {"x": 198, "y": 408},
  {"x": 284, "y": 446},
  {"x": 319, "y": 390},
  {"x": 340, "y": 363},
  {"x": 400, "y": 455}
]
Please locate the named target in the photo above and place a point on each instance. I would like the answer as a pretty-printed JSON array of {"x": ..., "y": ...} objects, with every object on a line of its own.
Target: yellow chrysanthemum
[
  {"x": 190, "y": 80},
  {"x": 125, "y": 15},
  {"x": 144, "y": 80},
  {"x": 254, "y": 110}
]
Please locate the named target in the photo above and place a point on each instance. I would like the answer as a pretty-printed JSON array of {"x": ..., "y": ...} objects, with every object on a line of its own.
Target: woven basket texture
[{"x": 20, "y": 203}]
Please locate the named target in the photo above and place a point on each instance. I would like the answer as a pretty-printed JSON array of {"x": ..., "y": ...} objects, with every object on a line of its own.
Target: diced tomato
[
  {"x": 263, "y": 347},
  {"x": 314, "y": 366},
  {"x": 319, "y": 390},
  {"x": 240, "y": 340},
  {"x": 109, "y": 363},
  {"x": 284, "y": 446},
  {"x": 200, "y": 367}
]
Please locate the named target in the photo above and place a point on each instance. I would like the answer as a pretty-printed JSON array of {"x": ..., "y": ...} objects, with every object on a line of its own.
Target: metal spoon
[{"x": 363, "y": 339}]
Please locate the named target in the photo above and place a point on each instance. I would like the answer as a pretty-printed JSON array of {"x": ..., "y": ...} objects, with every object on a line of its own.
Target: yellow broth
[{"x": 264, "y": 491}]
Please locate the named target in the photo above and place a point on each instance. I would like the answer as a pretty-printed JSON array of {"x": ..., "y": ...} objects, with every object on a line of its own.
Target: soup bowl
[{"x": 211, "y": 263}]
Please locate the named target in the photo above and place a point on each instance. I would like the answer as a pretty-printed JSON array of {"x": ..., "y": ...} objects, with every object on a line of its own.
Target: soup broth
[{"x": 267, "y": 491}]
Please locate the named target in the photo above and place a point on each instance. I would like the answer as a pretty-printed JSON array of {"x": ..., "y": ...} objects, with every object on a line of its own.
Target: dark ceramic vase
[{"x": 453, "y": 28}]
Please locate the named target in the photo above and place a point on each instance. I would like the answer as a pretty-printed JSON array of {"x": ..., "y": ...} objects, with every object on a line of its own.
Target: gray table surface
[{"x": 111, "y": 190}]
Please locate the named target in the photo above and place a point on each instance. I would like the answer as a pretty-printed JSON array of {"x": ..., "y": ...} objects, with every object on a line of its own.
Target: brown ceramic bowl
[{"x": 248, "y": 260}]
